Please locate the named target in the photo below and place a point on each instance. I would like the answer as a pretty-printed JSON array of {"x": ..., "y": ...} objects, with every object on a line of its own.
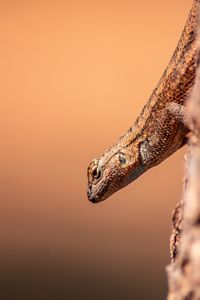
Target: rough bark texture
[
  {"x": 177, "y": 225},
  {"x": 184, "y": 271}
]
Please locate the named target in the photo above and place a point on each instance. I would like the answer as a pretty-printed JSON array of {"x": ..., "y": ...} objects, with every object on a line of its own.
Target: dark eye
[
  {"x": 96, "y": 173},
  {"x": 122, "y": 159}
]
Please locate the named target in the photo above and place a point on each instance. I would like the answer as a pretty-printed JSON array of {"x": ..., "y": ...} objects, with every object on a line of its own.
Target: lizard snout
[{"x": 91, "y": 197}]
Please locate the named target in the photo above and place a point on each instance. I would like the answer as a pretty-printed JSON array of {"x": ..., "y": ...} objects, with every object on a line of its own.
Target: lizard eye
[
  {"x": 122, "y": 159},
  {"x": 96, "y": 173}
]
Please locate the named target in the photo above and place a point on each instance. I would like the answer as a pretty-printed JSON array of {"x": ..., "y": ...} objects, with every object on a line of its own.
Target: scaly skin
[{"x": 160, "y": 129}]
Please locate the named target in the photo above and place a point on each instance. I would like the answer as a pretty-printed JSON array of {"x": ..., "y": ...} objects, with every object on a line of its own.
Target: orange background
[{"x": 74, "y": 76}]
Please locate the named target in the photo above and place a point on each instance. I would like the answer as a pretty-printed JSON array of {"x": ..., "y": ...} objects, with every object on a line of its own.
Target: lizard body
[{"x": 160, "y": 129}]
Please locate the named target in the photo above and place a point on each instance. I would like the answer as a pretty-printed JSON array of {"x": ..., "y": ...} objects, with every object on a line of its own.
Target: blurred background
[{"x": 74, "y": 76}]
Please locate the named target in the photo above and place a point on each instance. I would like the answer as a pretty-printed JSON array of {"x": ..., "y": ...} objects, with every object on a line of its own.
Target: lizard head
[{"x": 113, "y": 171}]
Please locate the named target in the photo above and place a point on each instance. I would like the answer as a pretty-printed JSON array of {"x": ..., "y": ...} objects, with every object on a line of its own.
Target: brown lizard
[{"x": 160, "y": 129}]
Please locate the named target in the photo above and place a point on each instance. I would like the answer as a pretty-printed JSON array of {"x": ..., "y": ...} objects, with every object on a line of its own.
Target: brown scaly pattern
[{"x": 159, "y": 130}]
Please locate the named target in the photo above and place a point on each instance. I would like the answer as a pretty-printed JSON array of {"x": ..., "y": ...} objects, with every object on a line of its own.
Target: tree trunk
[{"x": 184, "y": 271}]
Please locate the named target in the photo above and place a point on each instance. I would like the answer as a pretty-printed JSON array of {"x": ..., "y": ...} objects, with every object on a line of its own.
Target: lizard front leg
[
  {"x": 172, "y": 126},
  {"x": 179, "y": 112}
]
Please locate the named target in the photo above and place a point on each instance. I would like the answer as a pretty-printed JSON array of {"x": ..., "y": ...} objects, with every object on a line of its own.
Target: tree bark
[{"x": 184, "y": 271}]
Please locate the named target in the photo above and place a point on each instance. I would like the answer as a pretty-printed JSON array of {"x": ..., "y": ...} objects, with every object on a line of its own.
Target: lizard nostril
[{"x": 89, "y": 193}]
